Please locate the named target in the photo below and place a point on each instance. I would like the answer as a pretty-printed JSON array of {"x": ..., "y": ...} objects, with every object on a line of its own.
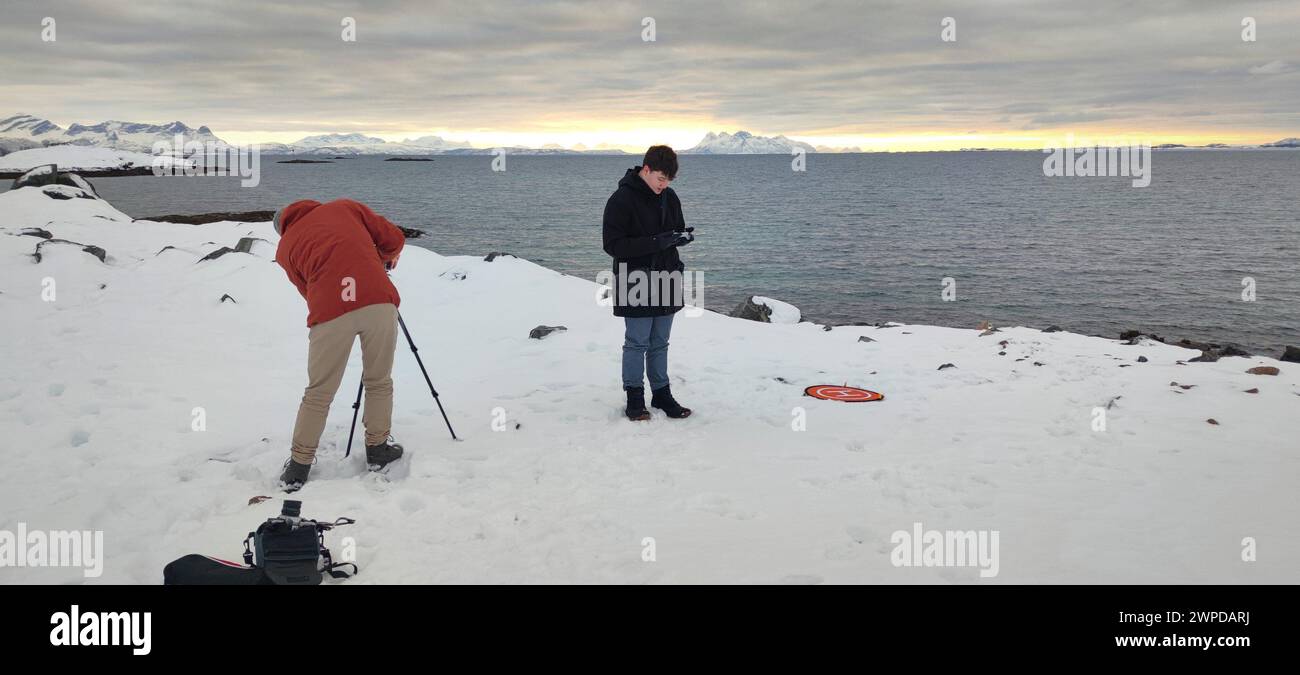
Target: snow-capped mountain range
[
  {"x": 745, "y": 143},
  {"x": 23, "y": 131},
  {"x": 360, "y": 144}
]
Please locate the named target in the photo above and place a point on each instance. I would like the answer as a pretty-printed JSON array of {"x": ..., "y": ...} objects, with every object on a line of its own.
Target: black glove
[{"x": 666, "y": 240}]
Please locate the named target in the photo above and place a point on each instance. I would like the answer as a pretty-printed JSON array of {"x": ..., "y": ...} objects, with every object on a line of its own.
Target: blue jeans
[{"x": 645, "y": 350}]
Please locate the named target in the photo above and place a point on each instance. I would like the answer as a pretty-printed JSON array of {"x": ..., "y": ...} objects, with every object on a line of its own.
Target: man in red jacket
[{"x": 337, "y": 255}]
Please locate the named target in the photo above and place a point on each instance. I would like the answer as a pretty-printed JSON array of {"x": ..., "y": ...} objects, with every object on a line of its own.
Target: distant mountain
[
  {"x": 351, "y": 145},
  {"x": 326, "y": 140},
  {"x": 827, "y": 148},
  {"x": 135, "y": 136},
  {"x": 519, "y": 150},
  {"x": 26, "y": 126},
  {"x": 1284, "y": 143},
  {"x": 435, "y": 143},
  {"x": 745, "y": 143},
  {"x": 22, "y": 131},
  {"x": 28, "y": 131}
]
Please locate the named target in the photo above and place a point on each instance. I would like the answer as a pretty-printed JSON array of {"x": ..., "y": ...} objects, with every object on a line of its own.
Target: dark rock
[
  {"x": 1131, "y": 337},
  {"x": 227, "y": 297},
  {"x": 1253, "y": 390},
  {"x": 863, "y": 338},
  {"x": 411, "y": 232},
  {"x": 1110, "y": 404},
  {"x": 1291, "y": 354},
  {"x": 102, "y": 173},
  {"x": 947, "y": 365},
  {"x": 1213, "y": 421},
  {"x": 454, "y": 275},
  {"x": 55, "y": 194},
  {"x": 36, "y": 232},
  {"x": 1057, "y": 329},
  {"x": 1125, "y": 365},
  {"x": 1232, "y": 350},
  {"x": 92, "y": 250},
  {"x": 1211, "y": 352},
  {"x": 1142, "y": 359},
  {"x": 49, "y": 174},
  {"x": 542, "y": 331},
  {"x": 95, "y": 251},
  {"x": 1037, "y": 363},
  {"x": 160, "y": 251},
  {"x": 217, "y": 217},
  {"x": 103, "y": 286},
  {"x": 497, "y": 254},
  {"x": 1002, "y": 353},
  {"x": 782, "y": 380},
  {"x": 245, "y": 244},
  {"x": 752, "y": 311},
  {"x": 1263, "y": 370},
  {"x": 217, "y": 254},
  {"x": 37, "y": 176}
]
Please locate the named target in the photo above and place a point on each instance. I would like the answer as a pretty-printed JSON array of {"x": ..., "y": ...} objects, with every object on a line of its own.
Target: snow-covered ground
[
  {"x": 79, "y": 158},
  {"x": 551, "y": 484}
]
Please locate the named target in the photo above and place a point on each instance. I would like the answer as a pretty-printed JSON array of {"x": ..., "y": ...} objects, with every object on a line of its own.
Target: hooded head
[{"x": 292, "y": 213}]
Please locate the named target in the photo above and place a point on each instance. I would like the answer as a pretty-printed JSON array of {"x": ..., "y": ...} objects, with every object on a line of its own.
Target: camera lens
[{"x": 291, "y": 508}]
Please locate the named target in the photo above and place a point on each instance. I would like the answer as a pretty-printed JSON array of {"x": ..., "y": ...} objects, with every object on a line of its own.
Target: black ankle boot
[
  {"x": 636, "y": 404},
  {"x": 662, "y": 399}
]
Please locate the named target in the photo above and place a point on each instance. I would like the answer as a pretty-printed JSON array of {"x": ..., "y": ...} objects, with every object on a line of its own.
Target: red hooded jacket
[{"x": 335, "y": 254}]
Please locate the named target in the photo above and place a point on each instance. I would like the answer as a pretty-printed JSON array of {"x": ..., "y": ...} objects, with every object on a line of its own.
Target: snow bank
[
  {"x": 105, "y": 385},
  {"x": 78, "y": 158},
  {"x": 782, "y": 312}
]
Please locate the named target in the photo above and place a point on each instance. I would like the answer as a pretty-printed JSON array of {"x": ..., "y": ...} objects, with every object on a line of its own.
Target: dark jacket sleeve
[
  {"x": 616, "y": 228},
  {"x": 677, "y": 206}
]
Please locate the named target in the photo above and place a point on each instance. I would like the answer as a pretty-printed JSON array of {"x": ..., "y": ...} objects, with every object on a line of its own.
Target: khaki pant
[{"x": 329, "y": 345}]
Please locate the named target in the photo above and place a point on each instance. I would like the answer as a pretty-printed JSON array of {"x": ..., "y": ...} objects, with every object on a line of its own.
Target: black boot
[
  {"x": 662, "y": 398},
  {"x": 294, "y": 476},
  {"x": 379, "y": 456},
  {"x": 636, "y": 404}
]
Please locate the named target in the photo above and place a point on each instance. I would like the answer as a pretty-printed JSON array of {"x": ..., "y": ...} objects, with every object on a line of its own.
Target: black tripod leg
[
  {"x": 416, "y": 351},
  {"x": 356, "y": 408}
]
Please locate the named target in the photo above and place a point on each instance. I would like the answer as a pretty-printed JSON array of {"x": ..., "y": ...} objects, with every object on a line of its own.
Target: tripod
[{"x": 361, "y": 386}]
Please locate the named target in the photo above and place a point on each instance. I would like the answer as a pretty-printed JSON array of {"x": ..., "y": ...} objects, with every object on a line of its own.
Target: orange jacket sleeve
[{"x": 388, "y": 237}]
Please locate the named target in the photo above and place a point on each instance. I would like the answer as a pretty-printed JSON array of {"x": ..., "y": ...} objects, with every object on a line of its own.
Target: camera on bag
[{"x": 287, "y": 550}]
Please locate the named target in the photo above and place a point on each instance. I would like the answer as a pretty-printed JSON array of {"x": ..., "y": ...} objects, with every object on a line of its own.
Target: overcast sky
[{"x": 873, "y": 73}]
